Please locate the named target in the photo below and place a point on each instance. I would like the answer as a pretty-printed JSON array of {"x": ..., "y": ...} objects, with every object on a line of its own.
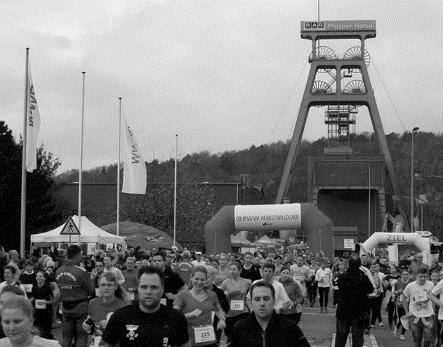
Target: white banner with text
[{"x": 267, "y": 217}]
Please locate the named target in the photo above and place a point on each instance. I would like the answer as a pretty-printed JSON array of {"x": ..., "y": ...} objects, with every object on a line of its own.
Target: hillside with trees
[{"x": 265, "y": 164}]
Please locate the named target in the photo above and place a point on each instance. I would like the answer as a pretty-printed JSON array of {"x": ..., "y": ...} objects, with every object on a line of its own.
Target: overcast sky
[{"x": 218, "y": 73}]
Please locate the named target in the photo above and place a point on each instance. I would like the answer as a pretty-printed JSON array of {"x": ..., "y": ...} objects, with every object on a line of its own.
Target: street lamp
[{"x": 414, "y": 130}]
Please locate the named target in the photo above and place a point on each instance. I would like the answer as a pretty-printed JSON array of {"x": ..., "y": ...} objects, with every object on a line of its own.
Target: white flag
[
  {"x": 134, "y": 176},
  {"x": 33, "y": 127}
]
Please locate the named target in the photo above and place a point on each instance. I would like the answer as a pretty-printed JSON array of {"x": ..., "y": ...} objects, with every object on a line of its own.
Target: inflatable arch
[
  {"x": 376, "y": 239},
  {"x": 307, "y": 216},
  {"x": 422, "y": 243}
]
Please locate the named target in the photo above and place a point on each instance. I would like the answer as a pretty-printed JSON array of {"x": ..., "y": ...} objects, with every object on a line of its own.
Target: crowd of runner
[{"x": 112, "y": 297}]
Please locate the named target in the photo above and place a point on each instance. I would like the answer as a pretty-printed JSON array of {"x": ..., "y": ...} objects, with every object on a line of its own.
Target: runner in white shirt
[
  {"x": 324, "y": 277},
  {"x": 281, "y": 297},
  {"x": 199, "y": 261},
  {"x": 301, "y": 272},
  {"x": 418, "y": 308}
]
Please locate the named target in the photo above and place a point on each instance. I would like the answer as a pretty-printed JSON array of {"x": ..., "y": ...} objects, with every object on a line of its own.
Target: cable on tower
[
  {"x": 287, "y": 101},
  {"x": 389, "y": 96}
]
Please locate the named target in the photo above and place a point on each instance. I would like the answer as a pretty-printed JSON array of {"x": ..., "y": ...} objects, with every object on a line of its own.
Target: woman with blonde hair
[
  {"x": 17, "y": 319},
  {"x": 197, "y": 305},
  {"x": 111, "y": 298}
]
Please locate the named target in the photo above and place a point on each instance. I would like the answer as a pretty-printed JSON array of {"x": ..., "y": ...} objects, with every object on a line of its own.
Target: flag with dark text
[
  {"x": 33, "y": 126},
  {"x": 134, "y": 175}
]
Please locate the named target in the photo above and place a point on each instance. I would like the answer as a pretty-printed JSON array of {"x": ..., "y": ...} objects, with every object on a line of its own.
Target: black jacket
[
  {"x": 354, "y": 287},
  {"x": 280, "y": 332},
  {"x": 223, "y": 301}
]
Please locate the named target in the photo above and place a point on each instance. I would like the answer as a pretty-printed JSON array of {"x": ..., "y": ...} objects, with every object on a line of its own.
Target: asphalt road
[{"x": 319, "y": 328}]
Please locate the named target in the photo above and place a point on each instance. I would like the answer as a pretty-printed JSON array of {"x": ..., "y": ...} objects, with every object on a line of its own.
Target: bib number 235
[{"x": 204, "y": 334}]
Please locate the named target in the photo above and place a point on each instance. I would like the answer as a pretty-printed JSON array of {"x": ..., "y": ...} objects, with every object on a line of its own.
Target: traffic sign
[{"x": 70, "y": 228}]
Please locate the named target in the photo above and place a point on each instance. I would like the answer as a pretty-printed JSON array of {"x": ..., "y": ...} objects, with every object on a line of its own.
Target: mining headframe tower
[{"x": 355, "y": 191}]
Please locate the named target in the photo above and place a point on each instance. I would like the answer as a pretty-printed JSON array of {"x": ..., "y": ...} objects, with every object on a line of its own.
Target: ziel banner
[{"x": 267, "y": 217}]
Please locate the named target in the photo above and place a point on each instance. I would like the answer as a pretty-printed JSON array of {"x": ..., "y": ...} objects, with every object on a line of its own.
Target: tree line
[{"x": 263, "y": 163}]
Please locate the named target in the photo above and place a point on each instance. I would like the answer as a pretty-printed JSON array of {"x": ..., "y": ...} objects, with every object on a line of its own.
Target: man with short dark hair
[
  {"x": 173, "y": 282},
  {"x": 75, "y": 288},
  {"x": 301, "y": 273},
  {"x": 27, "y": 277},
  {"x": 108, "y": 261},
  {"x": 264, "y": 327},
  {"x": 352, "y": 303},
  {"x": 249, "y": 270},
  {"x": 281, "y": 297},
  {"x": 365, "y": 261},
  {"x": 418, "y": 263},
  {"x": 147, "y": 323},
  {"x": 130, "y": 274},
  {"x": 384, "y": 266},
  {"x": 404, "y": 262},
  {"x": 95, "y": 275}
]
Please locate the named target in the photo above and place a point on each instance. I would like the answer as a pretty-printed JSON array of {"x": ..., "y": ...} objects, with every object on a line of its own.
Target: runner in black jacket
[
  {"x": 76, "y": 288},
  {"x": 264, "y": 327}
]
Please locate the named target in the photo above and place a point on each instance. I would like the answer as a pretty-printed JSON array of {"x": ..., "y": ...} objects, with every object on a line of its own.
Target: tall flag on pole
[
  {"x": 33, "y": 126},
  {"x": 134, "y": 176}
]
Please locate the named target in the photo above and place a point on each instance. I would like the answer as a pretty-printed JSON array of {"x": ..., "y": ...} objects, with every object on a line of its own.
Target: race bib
[
  {"x": 237, "y": 305},
  {"x": 421, "y": 296},
  {"x": 28, "y": 287},
  {"x": 204, "y": 334},
  {"x": 40, "y": 304},
  {"x": 163, "y": 301}
]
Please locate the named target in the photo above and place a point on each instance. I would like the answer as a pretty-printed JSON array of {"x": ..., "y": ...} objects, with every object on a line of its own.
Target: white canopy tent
[
  {"x": 266, "y": 241},
  {"x": 89, "y": 233}
]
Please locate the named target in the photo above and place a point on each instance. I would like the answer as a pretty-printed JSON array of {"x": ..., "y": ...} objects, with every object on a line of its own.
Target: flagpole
[
  {"x": 175, "y": 191},
  {"x": 369, "y": 200},
  {"x": 118, "y": 164},
  {"x": 25, "y": 135},
  {"x": 80, "y": 171}
]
